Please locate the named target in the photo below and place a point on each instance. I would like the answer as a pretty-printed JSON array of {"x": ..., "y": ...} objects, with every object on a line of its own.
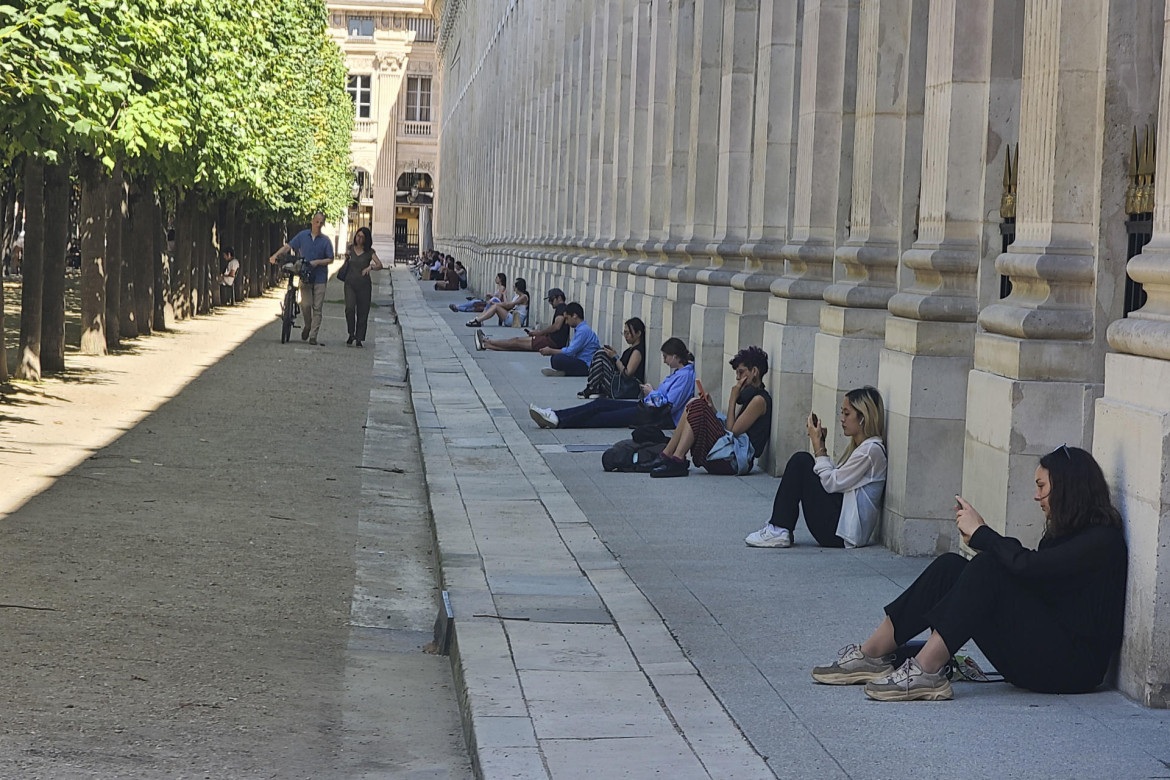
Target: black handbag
[
  {"x": 343, "y": 271},
  {"x": 624, "y": 386},
  {"x": 653, "y": 416}
]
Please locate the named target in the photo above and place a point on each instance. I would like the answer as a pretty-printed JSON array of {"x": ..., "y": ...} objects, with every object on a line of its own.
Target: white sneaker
[
  {"x": 770, "y": 536},
  {"x": 545, "y": 418},
  {"x": 480, "y": 341}
]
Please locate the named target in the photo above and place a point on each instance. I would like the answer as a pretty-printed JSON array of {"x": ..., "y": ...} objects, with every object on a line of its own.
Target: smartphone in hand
[{"x": 816, "y": 420}]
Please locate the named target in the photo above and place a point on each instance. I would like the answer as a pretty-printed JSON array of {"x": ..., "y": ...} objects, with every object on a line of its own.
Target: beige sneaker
[
  {"x": 910, "y": 683},
  {"x": 852, "y": 667}
]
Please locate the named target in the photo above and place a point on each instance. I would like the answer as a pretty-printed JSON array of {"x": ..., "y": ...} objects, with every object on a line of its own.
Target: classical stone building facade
[
  {"x": 393, "y": 80},
  {"x": 936, "y": 197}
]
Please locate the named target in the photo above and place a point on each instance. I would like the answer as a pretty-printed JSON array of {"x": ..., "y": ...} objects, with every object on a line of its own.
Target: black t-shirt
[
  {"x": 560, "y": 338},
  {"x": 761, "y": 430},
  {"x": 640, "y": 371}
]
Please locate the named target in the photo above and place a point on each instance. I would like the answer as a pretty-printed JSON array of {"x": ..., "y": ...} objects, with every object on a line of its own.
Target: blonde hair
[{"x": 867, "y": 402}]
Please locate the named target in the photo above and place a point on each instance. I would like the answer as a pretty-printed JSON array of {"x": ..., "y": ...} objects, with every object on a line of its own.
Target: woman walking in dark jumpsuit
[
  {"x": 1049, "y": 619},
  {"x": 360, "y": 260}
]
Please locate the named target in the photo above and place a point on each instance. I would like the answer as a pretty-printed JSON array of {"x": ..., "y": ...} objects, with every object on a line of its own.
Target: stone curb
[{"x": 669, "y": 722}]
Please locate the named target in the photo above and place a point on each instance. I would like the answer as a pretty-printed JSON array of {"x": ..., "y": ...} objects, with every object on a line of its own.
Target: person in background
[
  {"x": 479, "y": 304},
  {"x": 675, "y": 391},
  {"x": 570, "y": 359},
  {"x": 556, "y": 334},
  {"x": 359, "y": 287},
  {"x": 316, "y": 250},
  {"x": 227, "y": 279}
]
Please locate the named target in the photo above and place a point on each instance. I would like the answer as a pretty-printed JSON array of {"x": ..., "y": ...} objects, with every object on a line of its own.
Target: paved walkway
[{"x": 611, "y": 625}]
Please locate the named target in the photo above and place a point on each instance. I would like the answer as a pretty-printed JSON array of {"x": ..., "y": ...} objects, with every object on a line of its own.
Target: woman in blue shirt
[{"x": 676, "y": 389}]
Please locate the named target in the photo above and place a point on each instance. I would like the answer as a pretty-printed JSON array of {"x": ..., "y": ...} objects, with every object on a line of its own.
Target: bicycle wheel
[{"x": 287, "y": 316}]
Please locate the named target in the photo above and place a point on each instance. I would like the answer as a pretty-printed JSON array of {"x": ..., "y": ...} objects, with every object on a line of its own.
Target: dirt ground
[{"x": 178, "y": 566}]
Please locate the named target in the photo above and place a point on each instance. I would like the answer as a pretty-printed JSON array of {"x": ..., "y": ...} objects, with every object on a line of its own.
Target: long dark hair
[
  {"x": 368, "y": 241},
  {"x": 1078, "y": 495},
  {"x": 677, "y": 347},
  {"x": 521, "y": 286},
  {"x": 637, "y": 327}
]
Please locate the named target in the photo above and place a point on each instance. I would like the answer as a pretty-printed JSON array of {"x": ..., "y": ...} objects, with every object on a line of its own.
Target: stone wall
[{"x": 830, "y": 179}]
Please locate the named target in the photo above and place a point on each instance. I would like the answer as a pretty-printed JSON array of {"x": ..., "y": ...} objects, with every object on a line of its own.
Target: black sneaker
[{"x": 670, "y": 467}]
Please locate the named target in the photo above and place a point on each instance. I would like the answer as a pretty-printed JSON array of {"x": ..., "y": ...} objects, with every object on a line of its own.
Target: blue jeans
[
  {"x": 599, "y": 413},
  {"x": 570, "y": 365}
]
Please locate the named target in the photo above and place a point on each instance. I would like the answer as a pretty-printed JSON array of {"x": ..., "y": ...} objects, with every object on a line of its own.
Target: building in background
[
  {"x": 956, "y": 202},
  {"x": 393, "y": 80}
]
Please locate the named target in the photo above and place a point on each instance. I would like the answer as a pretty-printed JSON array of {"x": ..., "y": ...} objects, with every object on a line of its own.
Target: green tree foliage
[{"x": 231, "y": 98}]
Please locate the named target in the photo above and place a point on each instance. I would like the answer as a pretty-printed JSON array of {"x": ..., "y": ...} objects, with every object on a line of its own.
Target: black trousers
[
  {"x": 1017, "y": 631},
  {"x": 357, "y": 308},
  {"x": 800, "y": 486}
]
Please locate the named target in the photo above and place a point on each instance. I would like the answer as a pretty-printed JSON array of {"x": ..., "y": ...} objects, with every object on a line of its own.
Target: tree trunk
[
  {"x": 275, "y": 241},
  {"x": 94, "y": 215},
  {"x": 131, "y": 259},
  {"x": 8, "y": 202},
  {"x": 32, "y": 269},
  {"x": 159, "y": 260},
  {"x": 57, "y": 195},
  {"x": 181, "y": 268},
  {"x": 139, "y": 244},
  {"x": 116, "y": 193},
  {"x": 256, "y": 262},
  {"x": 205, "y": 251}
]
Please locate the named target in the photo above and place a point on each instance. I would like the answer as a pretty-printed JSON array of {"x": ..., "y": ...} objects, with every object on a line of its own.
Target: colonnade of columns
[{"x": 824, "y": 178}]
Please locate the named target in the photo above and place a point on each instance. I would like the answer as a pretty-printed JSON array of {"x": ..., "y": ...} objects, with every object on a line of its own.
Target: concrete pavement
[{"x": 613, "y": 625}]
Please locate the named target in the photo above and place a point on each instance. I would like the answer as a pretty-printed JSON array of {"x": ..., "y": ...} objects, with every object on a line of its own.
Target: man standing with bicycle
[{"x": 317, "y": 251}]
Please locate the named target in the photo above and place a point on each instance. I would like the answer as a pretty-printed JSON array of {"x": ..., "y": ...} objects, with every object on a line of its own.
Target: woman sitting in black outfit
[
  {"x": 1049, "y": 620},
  {"x": 631, "y": 366}
]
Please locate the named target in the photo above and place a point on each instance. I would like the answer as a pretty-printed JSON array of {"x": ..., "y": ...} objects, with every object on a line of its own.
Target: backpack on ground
[{"x": 630, "y": 455}]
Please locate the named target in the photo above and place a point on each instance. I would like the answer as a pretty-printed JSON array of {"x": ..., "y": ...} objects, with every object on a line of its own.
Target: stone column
[
  {"x": 1132, "y": 425},
  {"x": 930, "y": 337},
  {"x": 887, "y": 159},
  {"x": 824, "y": 164},
  {"x": 649, "y": 191},
  {"x": 1039, "y": 357},
  {"x": 679, "y": 277},
  {"x": 770, "y": 180},
  {"x": 705, "y": 142}
]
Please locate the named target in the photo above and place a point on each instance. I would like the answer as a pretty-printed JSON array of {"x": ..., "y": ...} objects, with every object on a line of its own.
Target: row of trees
[{"x": 227, "y": 117}]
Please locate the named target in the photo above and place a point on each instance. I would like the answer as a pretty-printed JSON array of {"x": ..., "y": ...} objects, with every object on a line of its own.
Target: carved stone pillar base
[
  {"x": 676, "y": 309},
  {"x": 747, "y": 311},
  {"x": 924, "y": 386},
  {"x": 1011, "y": 423},
  {"x": 788, "y": 339},
  {"x": 653, "y": 314},
  {"x": 708, "y": 316},
  {"x": 845, "y": 356},
  {"x": 1132, "y": 444}
]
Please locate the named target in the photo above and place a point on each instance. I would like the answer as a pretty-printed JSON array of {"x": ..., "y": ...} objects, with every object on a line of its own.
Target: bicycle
[{"x": 296, "y": 270}]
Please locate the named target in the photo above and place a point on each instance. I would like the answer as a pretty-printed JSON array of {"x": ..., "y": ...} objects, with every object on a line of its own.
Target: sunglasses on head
[{"x": 1064, "y": 450}]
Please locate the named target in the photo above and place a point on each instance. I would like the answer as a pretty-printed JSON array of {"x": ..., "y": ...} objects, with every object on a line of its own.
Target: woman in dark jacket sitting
[{"x": 1049, "y": 619}]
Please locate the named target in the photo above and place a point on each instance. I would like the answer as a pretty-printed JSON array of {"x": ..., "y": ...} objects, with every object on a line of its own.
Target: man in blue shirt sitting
[
  {"x": 573, "y": 360},
  {"x": 317, "y": 251}
]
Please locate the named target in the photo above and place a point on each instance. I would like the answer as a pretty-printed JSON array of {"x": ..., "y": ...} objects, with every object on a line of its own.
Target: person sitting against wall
[
  {"x": 675, "y": 391},
  {"x": 842, "y": 502},
  {"x": 451, "y": 280},
  {"x": 461, "y": 272},
  {"x": 505, "y": 312},
  {"x": 479, "y": 304},
  {"x": 1049, "y": 620},
  {"x": 556, "y": 334},
  {"x": 570, "y": 360},
  {"x": 748, "y": 421},
  {"x": 437, "y": 268},
  {"x": 627, "y": 373}
]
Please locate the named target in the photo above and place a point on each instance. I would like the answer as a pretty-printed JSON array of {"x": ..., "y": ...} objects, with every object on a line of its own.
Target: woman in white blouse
[{"x": 842, "y": 502}]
